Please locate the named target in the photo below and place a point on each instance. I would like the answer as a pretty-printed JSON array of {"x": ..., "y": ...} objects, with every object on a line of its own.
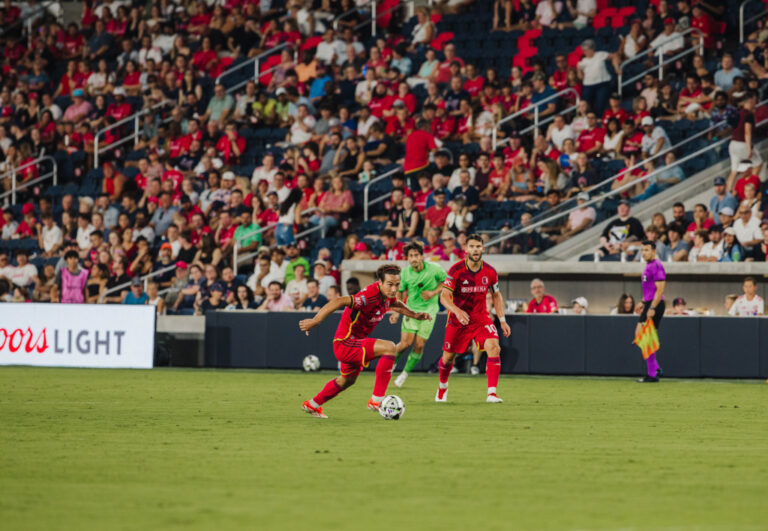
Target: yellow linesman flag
[{"x": 647, "y": 339}]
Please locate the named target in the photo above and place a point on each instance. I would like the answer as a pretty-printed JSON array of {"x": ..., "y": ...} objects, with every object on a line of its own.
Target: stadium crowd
[{"x": 211, "y": 161}]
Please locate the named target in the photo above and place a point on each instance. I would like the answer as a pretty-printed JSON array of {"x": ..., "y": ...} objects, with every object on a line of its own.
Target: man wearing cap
[
  {"x": 578, "y": 220},
  {"x": 721, "y": 199},
  {"x": 655, "y": 139},
  {"x": 740, "y": 148},
  {"x": 621, "y": 231},
  {"x": 679, "y": 307},
  {"x": 541, "y": 91},
  {"x": 580, "y": 305},
  {"x": 79, "y": 109},
  {"x": 136, "y": 296},
  {"x": 669, "y": 41}
]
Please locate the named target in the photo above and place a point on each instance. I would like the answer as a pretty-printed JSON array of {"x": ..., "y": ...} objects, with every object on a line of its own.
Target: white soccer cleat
[
  {"x": 441, "y": 395},
  {"x": 493, "y": 398},
  {"x": 400, "y": 380},
  {"x": 474, "y": 370}
]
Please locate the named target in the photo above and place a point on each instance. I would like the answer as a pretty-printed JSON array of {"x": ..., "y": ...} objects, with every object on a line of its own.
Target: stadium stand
[{"x": 201, "y": 145}]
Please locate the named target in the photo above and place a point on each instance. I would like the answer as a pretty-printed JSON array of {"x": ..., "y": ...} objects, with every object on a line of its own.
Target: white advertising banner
[{"x": 77, "y": 335}]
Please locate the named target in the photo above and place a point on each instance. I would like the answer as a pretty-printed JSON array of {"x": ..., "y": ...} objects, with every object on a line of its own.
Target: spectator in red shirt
[
  {"x": 703, "y": 22},
  {"x": 225, "y": 232},
  {"x": 614, "y": 110},
  {"x": 401, "y": 124},
  {"x": 442, "y": 73},
  {"x": 590, "y": 140},
  {"x": 231, "y": 145},
  {"x": 393, "y": 249},
  {"x": 419, "y": 144},
  {"x": 541, "y": 302},
  {"x": 423, "y": 193},
  {"x": 559, "y": 79},
  {"x": 436, "y": 215},
  {"x": 747, "y": 178},
  {"x": 701, "y": 221},
  {"x": 474, "y": 83},
  {"x": 120, "y": 108},
  {"x": 443, "y": 125},
  {"x": 691, "y": 93}
]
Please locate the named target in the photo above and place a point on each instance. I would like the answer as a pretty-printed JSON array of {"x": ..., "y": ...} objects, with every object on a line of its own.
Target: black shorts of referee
[{"x": 656, "y": 316}]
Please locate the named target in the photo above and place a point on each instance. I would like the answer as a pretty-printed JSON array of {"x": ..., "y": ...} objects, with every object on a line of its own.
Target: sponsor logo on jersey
[{"x": 474, "y": 289}]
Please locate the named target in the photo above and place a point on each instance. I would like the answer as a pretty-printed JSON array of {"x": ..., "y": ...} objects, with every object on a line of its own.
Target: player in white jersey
[{"x": 750, "y": 303}]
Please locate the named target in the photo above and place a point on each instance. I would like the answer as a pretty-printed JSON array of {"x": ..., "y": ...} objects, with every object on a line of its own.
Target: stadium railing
[
  {"x": 534, "y": 108},
  {"x": 359, "y": 8},
  {"x": 744, "y": 22},
  {"x": 16, "y": 187},
  {"x": 698, "y": 47},
  {"x": 256, "y": 62},
  {"x": 28, "y": 19},
  {"x": 237, "y": 259},
  {"x": 571, "y": 206},
  {"x": 144, "y": 279},
  {"x": 98, "y": 149},
  {"x": 366, "y": 190}
]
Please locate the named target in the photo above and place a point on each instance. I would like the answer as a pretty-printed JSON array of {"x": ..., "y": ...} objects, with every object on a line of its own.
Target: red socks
[
  {"x": 383, "y": 375},
  {"x": 330, "y": 390},
  {"x": 444, "y": 371},
  {"x": 492, "y": 370}
]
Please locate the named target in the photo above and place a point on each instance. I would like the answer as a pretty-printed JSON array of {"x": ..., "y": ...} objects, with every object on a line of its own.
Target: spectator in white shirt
[
  {"x": 303, "y": 127},
  {"x": 297, "y": 288},
  {"x": 559, "y": 131},
  {"x": 324, "y": 280},
  {"x": 278, "y": 265},
  {"x": 266, "y": 171},
  {"x": 330, "y": 48},
  {"x": 50, "y": 236},
  {"x": 747, "y": 229},
  {"x": 749, "y": 304},
  {"x": 655, "y": 139},
  {"x": 595, "y": 76},
  {"x": 669, "y": 41},
  {"x": 278, "y": 186},
  {"x": 84, "y": 230},
  {"x": 24, "y": 273},
  {"x": 712, "y": 251}
]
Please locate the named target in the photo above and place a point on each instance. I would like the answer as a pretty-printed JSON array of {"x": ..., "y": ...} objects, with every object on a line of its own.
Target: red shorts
[
  {"x": 354, "y": 354},
  {"x": 458, "y": 338}
]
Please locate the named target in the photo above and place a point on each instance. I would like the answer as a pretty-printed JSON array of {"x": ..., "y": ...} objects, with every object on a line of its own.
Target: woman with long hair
[
  {"x": 244, "y": 299},
  {"x": 288, "y": 217},
  {"x": 626, "y": 305},
  {"x": 208, "y": 252},
  {"x": 732, "y": 249},
  {"x": 335, "y": 204}
]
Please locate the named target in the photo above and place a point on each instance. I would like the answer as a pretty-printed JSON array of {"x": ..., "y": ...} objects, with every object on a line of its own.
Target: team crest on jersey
[{"x": 485, "y": 281}]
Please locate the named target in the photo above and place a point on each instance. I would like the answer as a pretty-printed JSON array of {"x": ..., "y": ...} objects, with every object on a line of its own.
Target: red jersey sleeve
[
  {"x": 367, "y": 297},
  {"x": 450, "y": 278}
]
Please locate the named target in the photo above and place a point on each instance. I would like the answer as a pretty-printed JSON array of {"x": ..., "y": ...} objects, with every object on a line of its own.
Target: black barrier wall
[{"x": 720, "y": 347}]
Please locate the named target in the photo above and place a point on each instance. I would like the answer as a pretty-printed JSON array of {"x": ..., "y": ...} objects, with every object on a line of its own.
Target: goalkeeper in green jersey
[{"x": 420, "y": 285}]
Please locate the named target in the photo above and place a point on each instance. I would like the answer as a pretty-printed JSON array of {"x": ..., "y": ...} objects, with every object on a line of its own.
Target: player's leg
[
  {"x": 349, "y": 374},
  {"x": 492, "y": 367},
  {"x": 422, "y": 333},
  {"x": 652, "y": 364},
  {"x": 385, "y": 352},
  {"x": 444, "y": 367},
  {"x": 406, "y": 340},
  {"x": 477, "y": 355}
]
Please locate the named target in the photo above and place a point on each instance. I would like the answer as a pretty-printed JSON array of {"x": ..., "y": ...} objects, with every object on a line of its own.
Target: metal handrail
[
  {"x": 134, "y": 118},
  {"x": 28, "y": 19},
  {"x": 602, "y": 197},
  {"x": 743, "y": 23},
  {"x": 256, "y": 63},
  {"x": 662, "y": 60},
  {"x": 367, "y": 186},
  {"x": 145, "y": 278},
  {"x": 238, "y": 241},
  {"x": 375, "y": 15},
  {"x": 594, "y": 200},
  {"x": 12, "y": 172},
  {"x": 535, "y": 110}
]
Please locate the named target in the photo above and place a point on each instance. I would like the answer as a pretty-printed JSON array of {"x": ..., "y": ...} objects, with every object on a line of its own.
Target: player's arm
[
  {"x": 660, "y": 286},
  {"x": 428, "y": 294},
  {"x": 394, "y": 316},
  {"x": 336, "y": 304},
  {"x": 446, "y": 299},
  {"x": 399, "y": 307},
  {"x": 499, "y": 306}
]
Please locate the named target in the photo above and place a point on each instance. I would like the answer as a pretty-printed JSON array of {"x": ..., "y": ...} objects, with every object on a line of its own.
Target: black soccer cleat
[{"x": 648, "y": 379}]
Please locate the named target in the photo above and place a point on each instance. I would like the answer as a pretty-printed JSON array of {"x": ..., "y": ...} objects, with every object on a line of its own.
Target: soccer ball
[
  {"x": 392, "y": 407},
  {"x": 311, "y": 363}
]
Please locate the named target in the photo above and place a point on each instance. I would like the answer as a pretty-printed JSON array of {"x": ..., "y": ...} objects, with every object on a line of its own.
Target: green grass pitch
[{"x": 205, "y": 449}]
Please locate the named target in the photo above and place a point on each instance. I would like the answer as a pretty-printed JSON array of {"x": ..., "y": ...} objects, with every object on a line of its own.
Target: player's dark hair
[
  {"x": 413, "y": 246},
  {"x": 751, "y": 279},
  {"x": 474, "y": 236},
  {"x": 649, "y": 242},
  {"x": 387, "y": 269}
]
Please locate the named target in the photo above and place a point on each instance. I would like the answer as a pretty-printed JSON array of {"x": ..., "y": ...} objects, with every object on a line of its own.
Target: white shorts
[{"x": 738, "y": 152}]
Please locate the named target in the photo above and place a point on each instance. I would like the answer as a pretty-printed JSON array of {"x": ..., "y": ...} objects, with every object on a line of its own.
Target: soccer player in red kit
[
  {"x": 351, "y": 344},
  {"x": 466, "y": 286}
]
